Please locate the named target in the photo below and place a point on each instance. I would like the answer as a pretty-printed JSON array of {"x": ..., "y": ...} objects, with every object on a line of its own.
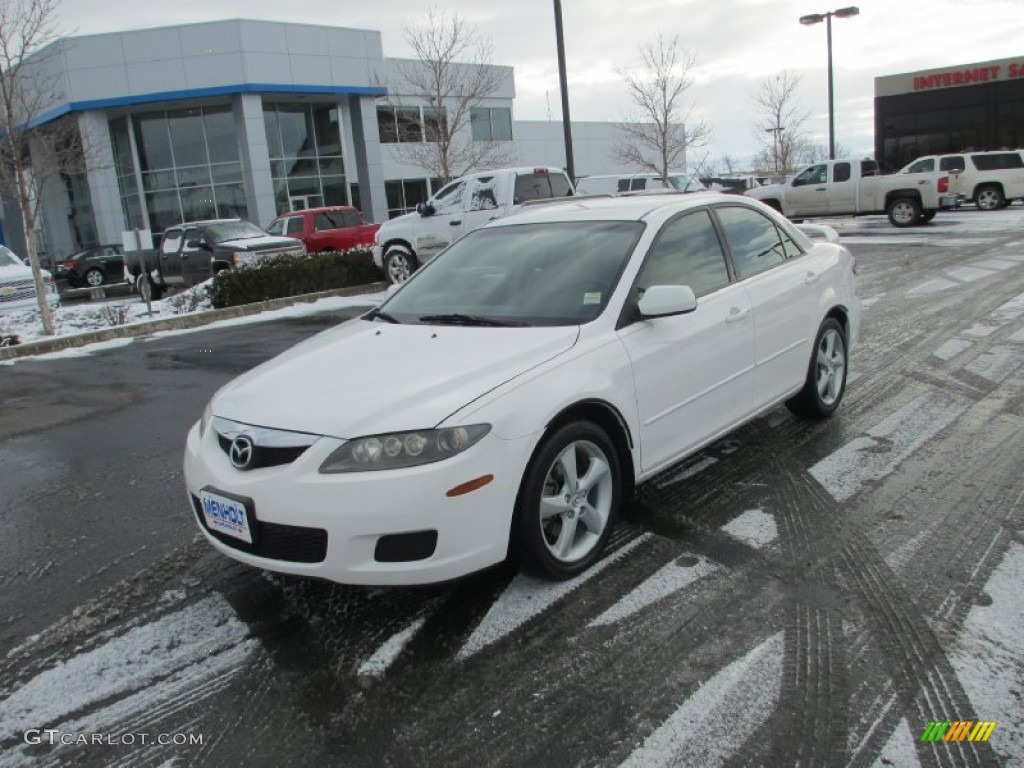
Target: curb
[{"x": 190, "y": 320}]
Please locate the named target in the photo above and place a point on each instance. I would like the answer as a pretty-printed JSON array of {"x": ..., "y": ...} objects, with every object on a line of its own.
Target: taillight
[
  {"x": 237, "y": 258},
  {"x": 944, "y": 184},
  {"x": 69, "y": 265}
]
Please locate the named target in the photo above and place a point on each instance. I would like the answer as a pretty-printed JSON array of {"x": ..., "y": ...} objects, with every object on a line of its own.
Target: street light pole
[
  {"x": 817, "y": 18},
  {"x": 562, "y": 83},
  {"x": 776, "y": 141}
]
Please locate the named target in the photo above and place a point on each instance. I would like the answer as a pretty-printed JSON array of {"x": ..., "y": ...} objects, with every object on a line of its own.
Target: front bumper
[{"x": 357, "y": 509}]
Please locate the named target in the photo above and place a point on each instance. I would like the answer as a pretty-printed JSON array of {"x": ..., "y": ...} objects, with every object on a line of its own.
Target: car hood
[
  {"x": 264, "y": 243},
  {"x": 768, "y": 190},
  {"x": 399, "y": 225},
  {"x": 14, "y": 272},
  {"x": 372, "y": 377}
]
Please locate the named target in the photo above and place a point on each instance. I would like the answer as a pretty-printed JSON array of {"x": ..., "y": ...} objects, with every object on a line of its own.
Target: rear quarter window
[{"x": 997, "y": 162}]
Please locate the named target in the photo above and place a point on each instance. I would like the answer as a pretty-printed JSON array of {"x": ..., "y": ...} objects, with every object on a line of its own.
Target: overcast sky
[{"x": 738, "y": 43}]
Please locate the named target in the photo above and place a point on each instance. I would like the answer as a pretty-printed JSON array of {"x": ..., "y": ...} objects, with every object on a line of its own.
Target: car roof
[
  {"x": 618, "y": 208},
  {"x": 321, "y": 209}
]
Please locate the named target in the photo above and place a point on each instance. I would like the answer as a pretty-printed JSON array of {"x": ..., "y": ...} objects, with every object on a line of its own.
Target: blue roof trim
[{"x": 199, "y": 93}]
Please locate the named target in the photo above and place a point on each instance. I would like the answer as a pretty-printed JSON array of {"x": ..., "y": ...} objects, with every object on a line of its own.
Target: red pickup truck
[{"x": 335, "y": 228}]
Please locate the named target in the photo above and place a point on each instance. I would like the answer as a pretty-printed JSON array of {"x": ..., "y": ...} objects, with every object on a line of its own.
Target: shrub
[
  {"x": 9, "y": 339},
  {"x": 281, "y": 276}
]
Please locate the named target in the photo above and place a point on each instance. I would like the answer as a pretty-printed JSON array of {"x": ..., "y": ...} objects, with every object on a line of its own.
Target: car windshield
[
  {"x": 231, "y": 230},
  {"x": 8, "y": 259},
  {"x": 559, "y": 273},
  {"x": 684, "y": 183}
]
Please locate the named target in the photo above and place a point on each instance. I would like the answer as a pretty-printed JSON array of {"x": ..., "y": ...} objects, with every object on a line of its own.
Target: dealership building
[
  {"x": 950, "y": 109},
  {"x": 249, "y": 119}
]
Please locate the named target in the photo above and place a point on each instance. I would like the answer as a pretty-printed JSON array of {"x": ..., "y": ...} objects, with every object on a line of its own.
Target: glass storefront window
[
  {"x": 306, "y": 165},
  {"x": 221, "y": 138},
  {"x": 188, "y": 141},
  {"x": 197, "y": 203},
  {"x": 230, "y": 201},
  {"x": 153, "y": 142},
  {"x": 164, "y": 210}
]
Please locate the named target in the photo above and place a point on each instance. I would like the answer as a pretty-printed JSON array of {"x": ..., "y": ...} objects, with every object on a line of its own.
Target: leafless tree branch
[
  {"x": 450, "y": 71},
  {"x": 780, "y": 125},
  {"x": 663, "y": 127}
]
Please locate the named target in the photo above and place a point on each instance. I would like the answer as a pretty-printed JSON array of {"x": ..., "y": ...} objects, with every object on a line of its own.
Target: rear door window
[
  {"x": 841, "y": 172},
  {"x": 171, "y": 242},
  {"x": 951, "y": 163}
]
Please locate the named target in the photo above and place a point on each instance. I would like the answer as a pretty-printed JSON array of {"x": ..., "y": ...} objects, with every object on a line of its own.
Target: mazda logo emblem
[{"x": 241, "y": 452}]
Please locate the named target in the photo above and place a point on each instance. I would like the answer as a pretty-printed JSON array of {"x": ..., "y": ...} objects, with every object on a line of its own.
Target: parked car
[
  {"x": 191, "y": 253},
  {"x": 730, "y": 185},
  {"x": 617, "y": 184},
  {"x": 17, "y": 286},
  {"x": 518, "y": 386},
  {"x": 93, "y": 266},
  {"x": 990, "y": 180},
  {"x": 854, "y": 188},
  {"x": 406, "y": 242},
  {"x": 336, "y": 228}
]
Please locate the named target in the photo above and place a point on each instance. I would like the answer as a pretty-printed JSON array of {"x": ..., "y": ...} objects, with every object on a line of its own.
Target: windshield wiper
[
  {"x": 456, "y": 318},
  {"x": 375, "y": 313}
]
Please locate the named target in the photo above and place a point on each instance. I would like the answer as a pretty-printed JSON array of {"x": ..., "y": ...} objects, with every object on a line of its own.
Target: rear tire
[
  {"x": 569, "y": 500},
  {"x": 94, "y": 278},
  {"x": 825, "y": 384},
  {"x": 903, "y": 212},
  {"x": 989, "y": 198}
]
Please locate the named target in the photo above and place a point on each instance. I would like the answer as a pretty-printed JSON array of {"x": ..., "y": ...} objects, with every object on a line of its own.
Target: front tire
[
  {"x": 989, "y": 198},
  {"x": 399, "y": 266},
  {"x": 826, "y": 374},
  {"x": 904, "y": 212},
  {"x": 570, "y": 498}
]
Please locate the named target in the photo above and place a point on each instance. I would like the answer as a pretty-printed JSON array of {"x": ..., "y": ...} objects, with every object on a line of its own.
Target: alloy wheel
[
  {"x": 576, "y": 500},
  {"x": 831, "y": 363}
]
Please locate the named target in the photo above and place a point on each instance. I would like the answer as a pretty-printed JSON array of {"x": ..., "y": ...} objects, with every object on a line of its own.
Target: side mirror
[
  {"x": 200, "y": 244},
  {"x": 955, "y": 171},
  {"x": 664, "y": 300},
  {"x": 424, "y": 209}
]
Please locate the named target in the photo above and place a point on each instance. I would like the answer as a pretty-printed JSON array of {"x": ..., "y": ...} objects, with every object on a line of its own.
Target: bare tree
[
  {"x": 452, "y": 74},
  {"x": 26, "y": 92},
  {"x": 662, "y": 129},
  {"x": 780, "y": 127}
]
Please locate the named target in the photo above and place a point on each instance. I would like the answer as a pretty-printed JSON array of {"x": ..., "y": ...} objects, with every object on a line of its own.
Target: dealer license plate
[{"x": 226, "y": 516}]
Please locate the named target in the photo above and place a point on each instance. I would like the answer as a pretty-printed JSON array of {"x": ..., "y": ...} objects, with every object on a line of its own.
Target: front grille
[
  {"x": 289, "y": 543},
  {"x": 265, "y": 456}
]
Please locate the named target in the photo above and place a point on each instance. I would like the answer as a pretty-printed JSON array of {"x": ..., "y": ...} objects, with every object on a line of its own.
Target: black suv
[{"x": 194, "y": 252}]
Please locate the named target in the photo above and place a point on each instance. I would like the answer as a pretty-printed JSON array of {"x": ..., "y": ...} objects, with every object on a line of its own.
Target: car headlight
[
  {"x": 205, "y": 420},
  {"x": 402, "y": 449}
]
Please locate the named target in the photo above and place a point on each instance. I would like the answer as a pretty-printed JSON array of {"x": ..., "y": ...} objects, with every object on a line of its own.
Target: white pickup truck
[
  {"x": 404, "y": 243},
  {"x": 853, "y": 187}
]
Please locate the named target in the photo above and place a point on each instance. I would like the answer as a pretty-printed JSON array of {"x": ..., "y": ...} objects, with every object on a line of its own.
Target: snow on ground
[
  {"x": 178, "y": 650},
  {"x": 712, "y": 723},
  {"x": 75, "y": 319},
  {"x": 527, "y": 596},
  {"x": 680, "y": 573},
  {"x": 900, "y": 750},
  {"x": 990, "y": 659},
  {"x": 754, "y": 527},
  {"x": 876, "y": 454},
  {"x": 385, "y": 656}
]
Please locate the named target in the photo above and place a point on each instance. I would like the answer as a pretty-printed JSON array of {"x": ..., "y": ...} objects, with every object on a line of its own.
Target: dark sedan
[{"x": 93, "y": 266}]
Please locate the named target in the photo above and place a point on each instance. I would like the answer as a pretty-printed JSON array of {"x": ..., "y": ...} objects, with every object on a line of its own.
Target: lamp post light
[
  {"x": 776, "y": 141},
  {"x": 570, "y": 167},
  {"x": 817, "y": 18}
]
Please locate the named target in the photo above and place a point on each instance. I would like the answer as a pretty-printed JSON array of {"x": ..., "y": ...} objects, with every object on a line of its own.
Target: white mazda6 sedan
[{"x": 513, "y": 392}]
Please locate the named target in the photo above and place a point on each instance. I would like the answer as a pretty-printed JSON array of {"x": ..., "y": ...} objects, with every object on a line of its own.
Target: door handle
[
  {"x": 454, "y": 222},
  {"x": 736, "y": 314},
  {"x": 812, "y": 277},
  {"x": 821, "y": 189}
]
